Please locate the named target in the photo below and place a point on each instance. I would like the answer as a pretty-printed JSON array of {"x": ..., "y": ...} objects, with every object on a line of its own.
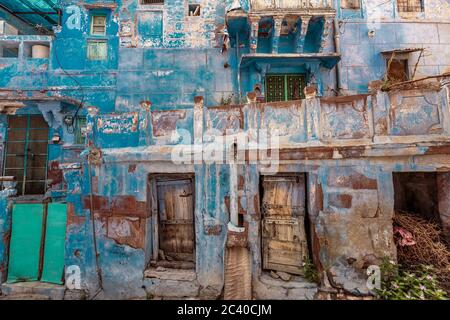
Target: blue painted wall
[{"x": 167, "y": 58}]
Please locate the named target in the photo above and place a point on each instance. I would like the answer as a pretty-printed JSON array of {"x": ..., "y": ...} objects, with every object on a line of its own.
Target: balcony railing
[{"x": 262, "y": 5}]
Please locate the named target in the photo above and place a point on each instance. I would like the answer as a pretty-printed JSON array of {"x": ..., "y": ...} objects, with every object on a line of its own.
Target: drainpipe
[
  {"x": 239, "y": 67},
  {"x": 233, "y": 225},
  {"x": 234, "y": 215},
  {"x": 337, "y": 46}
]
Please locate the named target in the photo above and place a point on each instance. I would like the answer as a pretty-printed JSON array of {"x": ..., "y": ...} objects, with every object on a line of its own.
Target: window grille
[
  {"x": 145, "y": 2},
  {"x": 410, "y": 5},
  {"x": 284, "y": 87},
  {"x": 26, "y": 153}
]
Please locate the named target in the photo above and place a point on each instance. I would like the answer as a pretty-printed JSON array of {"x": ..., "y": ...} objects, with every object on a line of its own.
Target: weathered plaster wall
[
  {"x": 5, "y": 231},
  {"x": 361, "y": 58},
  {"x": 159, "y": 60}
]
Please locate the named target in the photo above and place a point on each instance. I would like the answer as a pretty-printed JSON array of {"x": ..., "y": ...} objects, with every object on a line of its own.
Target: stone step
[
  {"x": 25, "y": 297},
  {"x": 49, "y": 290}
]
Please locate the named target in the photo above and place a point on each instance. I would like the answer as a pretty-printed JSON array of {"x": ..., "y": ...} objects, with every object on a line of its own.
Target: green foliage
[
  {"x": 400, "y": 284},
  {"x": 310, "y": 271},
  {"x": 226, "y": 101}
]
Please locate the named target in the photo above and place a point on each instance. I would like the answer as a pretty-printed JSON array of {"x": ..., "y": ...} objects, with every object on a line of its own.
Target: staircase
[{"x": 32, "y": 291}]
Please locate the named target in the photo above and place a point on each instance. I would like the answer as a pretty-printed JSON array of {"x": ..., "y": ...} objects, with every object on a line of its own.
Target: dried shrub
[{"x": 429, "y": 248}]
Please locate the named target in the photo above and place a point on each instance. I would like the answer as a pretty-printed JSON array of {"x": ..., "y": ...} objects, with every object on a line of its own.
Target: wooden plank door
[
  {"x": 176, "y": 219},
  {"x": 283, "y": 225},
  {"x": 25, "y": 245},
  {"x": 54, "y": 247},
  {"x": 37, "y": 242}
]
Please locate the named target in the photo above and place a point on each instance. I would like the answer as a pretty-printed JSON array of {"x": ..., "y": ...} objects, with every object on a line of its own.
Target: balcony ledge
[{"x": 328, "y": 60}]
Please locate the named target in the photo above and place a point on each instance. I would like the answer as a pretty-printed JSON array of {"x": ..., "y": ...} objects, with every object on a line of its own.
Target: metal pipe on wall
[{"x": 337, "y": 48}]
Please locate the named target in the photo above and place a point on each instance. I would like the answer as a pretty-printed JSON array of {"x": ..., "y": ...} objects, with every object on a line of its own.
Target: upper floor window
[
  {"x": 98, "y": 25},
  {"x": 410, "y": 5},
  {"x": 80, "y": 129},
  {"x": 285, "y": 87},
  {"x": 397, "y": 70},
  {"x": 97, "y": 50},
  {"x": 144, "y": 2},
  {"x": 194, "y": 10},
  {"x": 350, "y": 4}
]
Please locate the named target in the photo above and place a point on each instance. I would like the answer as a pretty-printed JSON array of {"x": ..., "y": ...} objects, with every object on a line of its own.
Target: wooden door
[
  {"x": 37, "y": 247},
  {"x": 283, "y": 226},
  {"x": 176, "y": 219}
]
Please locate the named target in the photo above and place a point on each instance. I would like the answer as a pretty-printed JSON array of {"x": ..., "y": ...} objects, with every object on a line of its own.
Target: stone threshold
[{"x": 170, "y": 274}]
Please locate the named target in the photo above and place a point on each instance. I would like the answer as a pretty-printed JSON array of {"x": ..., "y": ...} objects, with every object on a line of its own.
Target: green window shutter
[
  {"x": 275, "y": 88},
  {"x": 80, "y": 127},
  {"x": 285, "y": 87},
  {"x": 295, "y": 86}
]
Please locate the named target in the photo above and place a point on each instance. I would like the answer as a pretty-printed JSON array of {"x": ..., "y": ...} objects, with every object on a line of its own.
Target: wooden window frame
[
  {"x": 97, "y": 58},
  {"x": 154, "y": 214},
  {"x": 27, "y": 141},
  {"x": 348, "y": 5},
  {"x": 151, "y": 2},
  {"x": 93, "y": 25},
  {"x": 405, "y": 6}
]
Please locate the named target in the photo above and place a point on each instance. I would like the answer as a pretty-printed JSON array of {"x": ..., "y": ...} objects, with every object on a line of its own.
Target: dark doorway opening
[{"x": 417, "y": 192}]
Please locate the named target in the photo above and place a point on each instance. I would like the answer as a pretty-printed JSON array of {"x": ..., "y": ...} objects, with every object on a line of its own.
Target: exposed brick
[
  {"x": 340, "y": 200},
  {"x": 127, "y": 205},
  {"x": 54, "y": 175},
  {"x": 127, "y": 230},
  {"x": 119, "y": 206},
  {"x": 306, "y": 153},
  {"x": 353, "y": 180},
  {"x": 72, "y": 217},
  {"x": 164, "y": 122},
  {"x": 132, "y": 168},
  {"x": 319, "y": 197},
  {"x": 213, "y": 230},
  {"x": 98, "y": 203}
]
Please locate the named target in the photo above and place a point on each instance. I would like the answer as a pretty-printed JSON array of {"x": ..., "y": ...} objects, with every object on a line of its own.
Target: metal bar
[
  {"x": 25, "y": 160},
  {"x": 5, "y": 144},
  {"x": 36, "y": 12},
  {"x": 51, "y": 5},
  {"x": 3, "y": 7},
  {"x": 28, "y": 168},
  {"x": 32, "y": 7},
  {"x": 285, "y": 88},
  {"x": 18, "y": 154}
]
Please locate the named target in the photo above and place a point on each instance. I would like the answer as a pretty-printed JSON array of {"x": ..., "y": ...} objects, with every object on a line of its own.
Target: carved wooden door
[{"x": 283, "y": 226}]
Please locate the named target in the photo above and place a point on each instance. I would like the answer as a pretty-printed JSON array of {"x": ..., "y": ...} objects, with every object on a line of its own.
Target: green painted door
[
  {"x": 37, "y": 243},
  {"x": 55, "y": 235},
  {"x": 25, "y": 245}
]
